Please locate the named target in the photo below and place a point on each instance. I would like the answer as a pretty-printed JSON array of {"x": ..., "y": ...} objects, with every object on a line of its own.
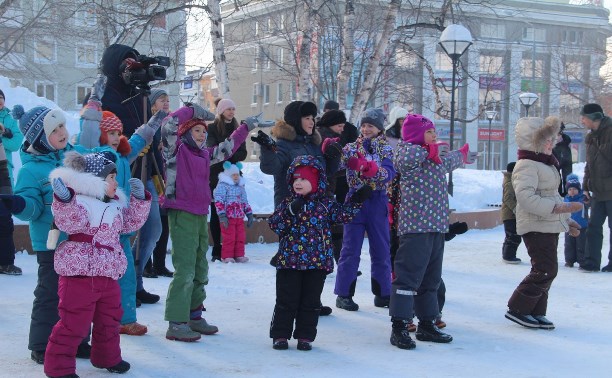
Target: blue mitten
[
  {"x": 137, "y": 188},
  {"x": 60, "y": 190}
]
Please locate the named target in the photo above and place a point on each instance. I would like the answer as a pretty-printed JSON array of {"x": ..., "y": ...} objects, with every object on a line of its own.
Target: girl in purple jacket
[{"x": 187, "y": 201}]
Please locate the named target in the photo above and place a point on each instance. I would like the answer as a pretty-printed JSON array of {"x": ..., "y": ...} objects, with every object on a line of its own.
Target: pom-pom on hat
[
  {"x": 374, "y": 117},
  {"x": 99, "y": 164},
  {"x": 225, "y": 104},
  {"x": 592, "y": 111},
  {"x": 37, "y": 124},
  {"x": 331, "y": 118},
  {"x": 155, "y": 94},
  {"x": 414, "y": 128},
  {"x": 308, "y": 173},
  {"x": 232, "y": 169},
  {"x": 572, "y": 181}
]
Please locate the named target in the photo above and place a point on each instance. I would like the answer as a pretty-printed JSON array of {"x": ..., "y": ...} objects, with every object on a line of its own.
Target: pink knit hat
[
  {"x": 225, "y": 104},
  {"x": 414, "y": 128}
]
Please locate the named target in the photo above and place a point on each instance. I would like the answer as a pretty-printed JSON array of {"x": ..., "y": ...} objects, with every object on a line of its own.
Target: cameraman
[{"x": 127, "y": 101}]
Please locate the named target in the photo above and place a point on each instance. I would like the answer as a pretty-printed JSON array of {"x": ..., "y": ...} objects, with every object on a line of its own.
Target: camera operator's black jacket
[{"x": 131, "y": 113}]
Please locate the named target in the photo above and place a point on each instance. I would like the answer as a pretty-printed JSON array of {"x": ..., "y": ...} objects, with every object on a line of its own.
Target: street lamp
[
  {"x": 491, "y": 114},
  {"x": 528, "y": 99},
  {"x": 455, "y": 40}
]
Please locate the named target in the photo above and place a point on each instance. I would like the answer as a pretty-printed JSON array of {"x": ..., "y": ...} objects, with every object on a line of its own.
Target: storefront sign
[{"x": 496, "y": 135}]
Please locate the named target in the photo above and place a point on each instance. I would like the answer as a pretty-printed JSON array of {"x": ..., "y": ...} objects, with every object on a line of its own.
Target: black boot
[
  {"x": 346, "y": 303},
  {"x": 380, "y": 301},
  {"x": 120, "y": 368},
  {"x": 400, "y": 336},
  {"x": 427, "y": 331},
  {"x": 38, "y": 356},
  {"x": 146, "y": 297},
  {"x": 325, "y": 311},
  {"x": 84, "y": 351}
]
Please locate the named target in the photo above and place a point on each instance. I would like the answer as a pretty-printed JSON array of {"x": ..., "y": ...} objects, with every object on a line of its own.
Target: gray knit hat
[
  {"x": 374, "y": 117},
  {"x": 155, "y": 94}
]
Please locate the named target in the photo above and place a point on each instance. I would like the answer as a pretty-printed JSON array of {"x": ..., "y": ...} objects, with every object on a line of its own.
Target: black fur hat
[{"x": 592, "y": 111}]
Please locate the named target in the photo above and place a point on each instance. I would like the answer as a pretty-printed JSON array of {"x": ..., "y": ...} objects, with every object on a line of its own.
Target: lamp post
[
  {"x": 455, "y": 40},
  {"x": 528, "y": 99},
  {"x": 491, "y": 114}
]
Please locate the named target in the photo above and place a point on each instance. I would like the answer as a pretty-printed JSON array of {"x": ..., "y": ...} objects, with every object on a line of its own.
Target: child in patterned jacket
[
  {"x": 94, "y": 212},
  {"x": 305, "y": 253},
  {"x": 232, "y": 206}
]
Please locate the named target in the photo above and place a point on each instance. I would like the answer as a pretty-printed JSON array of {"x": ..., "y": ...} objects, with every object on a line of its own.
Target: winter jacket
[
  {"x": 508, "y": 198},
  {"x": 305, "y": 238},
  {"x": 213, "y": 139},
  {"x": 579, "y": 216},
  {"x": 188, "y": 170},
  {"x": 535, "y": 183},
  {"x": 93, "y": 248},
  {"x": 377, "y": 150},
  {"x": 34, "y": 186},
  {"x": 598, "y": 169},
  {"x": 231, "y": 197},
  {"x": 13, "y": 143},
  {"x": 289, "y": 145},
  {"x": 424, "y": 189}
]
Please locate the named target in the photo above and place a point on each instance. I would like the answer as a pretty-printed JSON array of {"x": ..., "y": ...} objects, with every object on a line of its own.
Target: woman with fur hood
[
  {"x": 90, "y": 207},
  {"x": 541, "y": 215}
]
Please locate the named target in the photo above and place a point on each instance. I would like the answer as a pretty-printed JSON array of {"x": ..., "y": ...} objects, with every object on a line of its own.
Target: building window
[
  {"x": 407, "y": 60},
  {"x": 279, "y": 92},
  {"x": 255, "y": 97},
  {"x": 532, "y": 68},
  {"x": 86, "y": 15},
  {"x": 45, "y": 52},
  {"x": 46, "y": 90},
  {"x": 256, "y": 27},
  {"x": 574, "y": 70},
  {"x": 490, "y": 99},
  {"x": 159, "y": 22},
  {"x": 443, "y": 62},
  {"x": 492, "y": 65},
  {"x": 281, "y": 57},
  {"x": 534, "y": 34},
  {"x": 81, "y": 92},
  {"x": 10, "y": 44},
  {"x": 266, "y": 94},
  {"x": 572, "y": 37},
  {"x": 292, "y": 91},
  {"x": 267, "y": 62},
  {"x": 493, "y": 31},
  {"x": 86, "y": 55},
  {"x": 15, "y": 83}
]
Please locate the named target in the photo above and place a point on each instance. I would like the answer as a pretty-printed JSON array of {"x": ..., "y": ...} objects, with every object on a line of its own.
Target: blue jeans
[{"x": 147, "y": 236}]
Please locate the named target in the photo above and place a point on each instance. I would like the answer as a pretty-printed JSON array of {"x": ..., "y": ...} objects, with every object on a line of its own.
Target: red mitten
[
  {"x": 432, "y": 150},
  {"x": 327, "y": 142},
  {"x": 370, "y": 169},
  {"x": 469, "y": 157},
  {"x": 356, "y": 163}
]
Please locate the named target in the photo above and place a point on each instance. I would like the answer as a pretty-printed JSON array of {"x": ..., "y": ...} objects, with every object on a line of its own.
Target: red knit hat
[
  {"x": 110, "y": 122},
  {"x": 182, "y": 129},
  {"x": 308, "y": 173}
]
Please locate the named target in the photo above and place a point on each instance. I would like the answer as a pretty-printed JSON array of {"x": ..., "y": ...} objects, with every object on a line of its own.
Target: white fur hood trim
[
  {"x": 227, "y": 179},
  {"x": 86, "y": 184}
]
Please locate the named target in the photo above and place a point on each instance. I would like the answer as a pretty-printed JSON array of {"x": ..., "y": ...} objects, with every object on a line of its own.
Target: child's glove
[
  {"x": 469, "y": 157},
  {"x": 7, "y": 133},
  {"x": 11, "y": 204},
  {"x": 567, "y": 207},
  {"x": 574, "y": 228},
  {"x": 223, "y": 220},
  {"x": 137, "y": 188},
  {"x": 455, "y": 229},
  {"x": 98, "y": 88},
  {"x": 296, "y": 205},
  {"x": 362, "y": 194},
  {"x": 156, "y": 121},
  {"x": 367, "y": 168},
  {"x": 331, "y": 148},
  {"x": 59, "y": 189},
  {"x": 200, "y": 113},
  {"x": 437, "y": 151},
  {"x": 252, "y": 121},
  {"x": 249, "y": 220},
  {"x": 264, "y": 140}
]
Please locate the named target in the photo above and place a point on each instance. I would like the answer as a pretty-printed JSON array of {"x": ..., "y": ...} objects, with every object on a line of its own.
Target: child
[
  {"x": 112, "y": 141},
  {"x": 540, "y": 215},
  {"x": 512, "y": 240},
  {"x": 11, "y": 137},
  {"x": 187, "y": 201},
  {"x": 303, "y": 222},
  {"x": 46, "y": 142},
  {"x": 7, "y": 246},
  {"x": 574, "y": 245},
  {"x": 369, "y": 163},
  {"x": 422, "y": 217},
  {"x": 232, "y": 206},
  {"x": 93, "y": 211}
]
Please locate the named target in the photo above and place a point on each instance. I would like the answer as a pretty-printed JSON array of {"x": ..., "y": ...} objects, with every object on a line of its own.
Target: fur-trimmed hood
[
  {"x": 227, "y": 179},
  {"x": 86, "y": 184},
  {"x": 283, "y": 130},
  {"x": 531, "y": 133}
]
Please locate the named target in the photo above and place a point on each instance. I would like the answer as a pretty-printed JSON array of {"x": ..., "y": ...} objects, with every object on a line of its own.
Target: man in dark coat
[{"x": 563, "y": 153}]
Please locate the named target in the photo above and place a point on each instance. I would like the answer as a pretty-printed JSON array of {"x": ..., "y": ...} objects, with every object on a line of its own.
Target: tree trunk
[
  {"x": 304, "y": 43},
  {"x": 216, "y": 37},
  {"x": 348, "y": 38}
]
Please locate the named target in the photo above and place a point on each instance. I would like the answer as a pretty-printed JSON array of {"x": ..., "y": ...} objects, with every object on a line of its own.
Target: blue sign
[
  {"x": 577, "y": 136},
  {"x": 187, "y": 82},
  {"x": 444, "y": 132}
]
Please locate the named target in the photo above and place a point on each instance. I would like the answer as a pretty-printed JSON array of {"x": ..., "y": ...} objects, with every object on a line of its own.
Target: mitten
[
  {"x": 12, "y": 203},
  {"x": 567, "y": 207},
  {"x": 90, "y": 128},
  {"x": 156, "y": 121},
  {"x": 60, "y": 190},
  {"x": 370, "y": 169},
  {"x": 331, "y": 148},
  {"x": 433, "y": 151},
  {"x": 249, "y": 219},
  {"x": 469, "y": 157},
  {"x": 296, "y": 205},
  {"x": 574, "y": 228},
  {"x": 356, "y": 163},
  {"x": 223, "y": 220},
  {"x": 8, "y": 134},
  {"x": 200, "y": 113},
  {"x": 226, "y": 147},
  {"x": 252, "y": 121},
  {"x": 264, "y": 140},
  {"x": 137, "y": 188},
  {"x": 362, "y": 194},
  {"x": 97, "y": 90},
  {"x": 457, "y": 228}
]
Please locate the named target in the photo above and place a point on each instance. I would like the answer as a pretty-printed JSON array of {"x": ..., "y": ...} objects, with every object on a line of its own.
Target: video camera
[{"x": 144, "y": 69}]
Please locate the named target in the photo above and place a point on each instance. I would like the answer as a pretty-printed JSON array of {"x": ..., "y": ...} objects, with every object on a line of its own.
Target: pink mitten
[
  {"x": 369, "y": 170},
  {"x": 432, "y": 150},
  {"x": 327, "y": 142},
  {"x": 469, "y": 157},
  {"x": 356, "y": 163}
]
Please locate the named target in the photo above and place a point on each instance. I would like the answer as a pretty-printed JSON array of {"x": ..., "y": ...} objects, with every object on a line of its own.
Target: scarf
[{"x": 542, "y": 158}]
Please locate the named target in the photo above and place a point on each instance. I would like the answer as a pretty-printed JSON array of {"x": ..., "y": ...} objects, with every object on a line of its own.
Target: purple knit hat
[{"x": 414, "y": 128}]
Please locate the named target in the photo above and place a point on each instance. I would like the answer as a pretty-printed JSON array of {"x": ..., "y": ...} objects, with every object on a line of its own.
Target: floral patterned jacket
[{"x": 377, "y": 150}]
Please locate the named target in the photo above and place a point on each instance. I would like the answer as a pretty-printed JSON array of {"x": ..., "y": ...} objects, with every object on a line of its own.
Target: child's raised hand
[
  {"x": 137, "y": 188},
  {"x": 60, "y": 190},
  {"x": 469, "y": 157},
  {"x": 357, "y": 163},
  {"x": 156, "y": 121}
]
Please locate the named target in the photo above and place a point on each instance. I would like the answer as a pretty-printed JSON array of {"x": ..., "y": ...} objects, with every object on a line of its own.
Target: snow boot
[
  {"x": 181, "y": 332},
  {"x": 10, "y": 270},
  {"x": 380, "y": 301},
  {"x": 427, "y": 331},
  {"x": 325, "y": 311},
  {"x": 133, "y": 329},
  {"x": 146, "y": 297},
  {"x": 38, "y": 356},
  {"x": 201, "y": 326},
  {"x": 120, "y": 368},
  {"x": 280, "y": 344},
  {"x": 346, "y": 303},
  {"x": 544, "y": 323},
  {"x": 524, "y": 320},
  {"x": 84, "y": 351},
  {"x": 607, "y": 268},
  {"x": 304, "y": 344},
  {"x": 400, "y": 336}
]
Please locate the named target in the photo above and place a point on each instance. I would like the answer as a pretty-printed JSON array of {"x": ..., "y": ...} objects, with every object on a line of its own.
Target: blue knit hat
[
  {"x": 37, "y": 124},
  {"x": 374, "y": 117},
  {"x": 572, "y": 181}
]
